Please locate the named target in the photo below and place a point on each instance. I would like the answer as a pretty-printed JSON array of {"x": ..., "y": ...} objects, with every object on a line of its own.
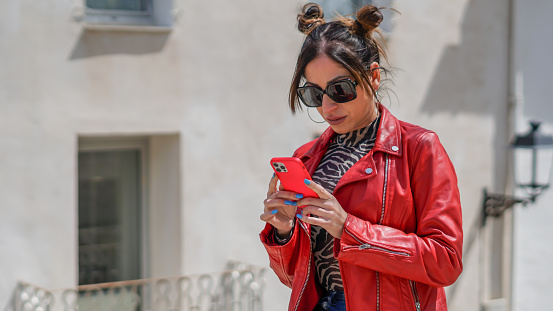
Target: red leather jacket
[{"x": 402, "y": 239}]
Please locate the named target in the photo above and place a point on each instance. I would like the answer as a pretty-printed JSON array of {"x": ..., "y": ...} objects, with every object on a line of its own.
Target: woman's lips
[{"x": 335, "y": 121}]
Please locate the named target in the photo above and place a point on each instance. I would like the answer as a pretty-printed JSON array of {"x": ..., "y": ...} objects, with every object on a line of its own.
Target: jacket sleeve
[
  {"x": 282, "y": 258},
  {"x": 432, "y": 254}
]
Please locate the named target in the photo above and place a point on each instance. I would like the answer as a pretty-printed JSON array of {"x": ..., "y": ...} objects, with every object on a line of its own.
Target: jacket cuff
[
  {"x": 269, "y": 239},
  {"x": 267, "y": 236},
  {"x": 280, "y": 241}
]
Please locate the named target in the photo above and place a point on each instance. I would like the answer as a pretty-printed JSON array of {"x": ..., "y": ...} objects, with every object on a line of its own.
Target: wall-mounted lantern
[{"x": 532, "y": 162}]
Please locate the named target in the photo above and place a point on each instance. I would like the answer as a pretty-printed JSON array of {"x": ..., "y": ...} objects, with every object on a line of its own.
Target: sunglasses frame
[{"x": 353, "y": 83}]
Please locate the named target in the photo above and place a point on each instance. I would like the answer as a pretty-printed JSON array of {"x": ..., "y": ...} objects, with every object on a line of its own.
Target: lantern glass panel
[{"x": 532, "y": 168}]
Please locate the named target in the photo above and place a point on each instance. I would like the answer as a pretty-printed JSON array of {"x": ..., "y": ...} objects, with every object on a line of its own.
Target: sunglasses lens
[
  {"x": 311, "y": 96},
  {"x": 342, "y": 91}
]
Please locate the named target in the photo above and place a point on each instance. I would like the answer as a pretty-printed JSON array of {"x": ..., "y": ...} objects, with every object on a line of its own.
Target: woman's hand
[
  {"x": 330, "y": 214},
  {"x": 280, "y": 208}
]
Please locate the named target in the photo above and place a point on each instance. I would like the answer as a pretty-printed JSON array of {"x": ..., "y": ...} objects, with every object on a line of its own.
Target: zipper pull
[{"x": 364, "y": 246}]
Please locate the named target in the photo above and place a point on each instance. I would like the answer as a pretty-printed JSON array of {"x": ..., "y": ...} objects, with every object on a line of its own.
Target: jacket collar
[{"x": 388, "y": 137}]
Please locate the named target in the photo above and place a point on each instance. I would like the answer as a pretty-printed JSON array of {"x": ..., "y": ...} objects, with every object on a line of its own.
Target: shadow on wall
[
  {"x": 471, "y": 76},
  {"x": 98, "y": 43}
]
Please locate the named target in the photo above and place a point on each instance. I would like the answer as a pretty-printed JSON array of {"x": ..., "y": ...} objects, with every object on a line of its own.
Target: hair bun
[
  {"x": 369, "y": 18},
  {"x": 311, "y": 16}
]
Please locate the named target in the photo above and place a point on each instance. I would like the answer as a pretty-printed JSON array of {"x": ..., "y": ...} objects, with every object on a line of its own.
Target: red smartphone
[{"x": 291, "y": 172}]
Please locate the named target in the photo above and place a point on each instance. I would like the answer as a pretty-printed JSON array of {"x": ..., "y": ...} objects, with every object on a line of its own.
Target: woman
[{"x": 385, "y": 232}]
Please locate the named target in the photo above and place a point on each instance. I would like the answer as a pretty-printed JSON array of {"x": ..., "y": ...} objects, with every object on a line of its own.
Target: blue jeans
[{"x": 332, "y": 301}]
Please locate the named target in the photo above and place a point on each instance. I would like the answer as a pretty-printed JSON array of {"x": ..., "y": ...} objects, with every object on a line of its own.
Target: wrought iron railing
[{"x": 239, "y": 288}]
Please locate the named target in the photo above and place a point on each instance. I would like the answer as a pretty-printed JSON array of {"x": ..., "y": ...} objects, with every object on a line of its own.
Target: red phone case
[{"x": 291, "y": 172}]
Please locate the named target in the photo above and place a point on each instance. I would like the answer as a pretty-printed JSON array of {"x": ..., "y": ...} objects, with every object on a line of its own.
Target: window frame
[
  {"x": 98, "y": 143},
  {"x": 148, "y": 10},
  {"x": 157, "y": 18}
]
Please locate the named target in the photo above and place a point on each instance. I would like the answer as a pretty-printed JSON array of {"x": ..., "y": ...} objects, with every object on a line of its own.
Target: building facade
[{"x": 135, "y": 140}]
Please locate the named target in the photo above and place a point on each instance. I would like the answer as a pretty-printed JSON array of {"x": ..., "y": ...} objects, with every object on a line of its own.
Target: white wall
[{"x": 533, "y": 249}]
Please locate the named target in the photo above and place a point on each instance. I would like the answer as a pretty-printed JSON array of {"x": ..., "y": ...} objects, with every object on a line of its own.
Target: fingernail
[
  {"x": 307, "y": 181},
  {"x": 288, "y": 202},
  {"x": 300, "y": 216},
  {"x": 274, "y": 175},
  {"x": 274, "y": 211},
  {"x": 299, "y": 195}
]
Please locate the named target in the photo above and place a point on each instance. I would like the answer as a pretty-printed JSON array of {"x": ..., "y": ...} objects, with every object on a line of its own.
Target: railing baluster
[
  {"x": 184, "y": 286},
  {"x": 162, "y": 292},
  {"x": 69, "y": 298}
]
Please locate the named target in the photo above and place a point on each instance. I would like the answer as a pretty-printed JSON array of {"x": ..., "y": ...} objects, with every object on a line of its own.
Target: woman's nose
[{"x": 328, "y": 104}]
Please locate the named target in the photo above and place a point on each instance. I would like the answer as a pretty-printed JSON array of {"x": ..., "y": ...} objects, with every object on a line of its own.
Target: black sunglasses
[{"x": 340, "y": 91}]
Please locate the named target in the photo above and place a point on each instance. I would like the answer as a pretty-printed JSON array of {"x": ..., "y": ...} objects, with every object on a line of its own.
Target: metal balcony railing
[{"x": 238, "y": 289}]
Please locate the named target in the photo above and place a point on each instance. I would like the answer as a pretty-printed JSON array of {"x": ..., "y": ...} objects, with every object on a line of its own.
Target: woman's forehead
[{"x": 323, "y": 69}]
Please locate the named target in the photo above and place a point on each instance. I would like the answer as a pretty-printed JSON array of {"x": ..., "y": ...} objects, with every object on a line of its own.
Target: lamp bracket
[{"x": 495, "y": 204}]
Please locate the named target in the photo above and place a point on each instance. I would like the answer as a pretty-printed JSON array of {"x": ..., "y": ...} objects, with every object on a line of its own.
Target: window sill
[{"x": 127, "y": 28}]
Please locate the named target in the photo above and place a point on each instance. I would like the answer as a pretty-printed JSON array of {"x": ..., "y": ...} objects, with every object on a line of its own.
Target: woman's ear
[{"x": 374, "y": 71}]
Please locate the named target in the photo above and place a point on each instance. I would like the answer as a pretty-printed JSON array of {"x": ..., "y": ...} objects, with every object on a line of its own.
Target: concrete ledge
[{"x": 127, "y": 28}]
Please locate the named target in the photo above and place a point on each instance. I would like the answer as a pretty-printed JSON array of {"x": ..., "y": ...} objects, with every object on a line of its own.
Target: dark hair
[{"x": 347, "y": 41}]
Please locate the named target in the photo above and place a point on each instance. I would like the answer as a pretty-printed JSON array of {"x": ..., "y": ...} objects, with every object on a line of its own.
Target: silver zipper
[
  {"x": 380, "y": 222},
  {"x": 308, "y": 269},
  {"x": 378, "y": 248},
  {"x": 415, "y": 295},
  {"x": 384, "y": 191},
  {"x": 369, "y": 246},
  {"x": 378, "y": 291}
]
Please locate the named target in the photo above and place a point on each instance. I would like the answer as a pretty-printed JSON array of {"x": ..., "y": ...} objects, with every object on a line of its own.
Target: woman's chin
[{"x": 341, "y": 128}]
